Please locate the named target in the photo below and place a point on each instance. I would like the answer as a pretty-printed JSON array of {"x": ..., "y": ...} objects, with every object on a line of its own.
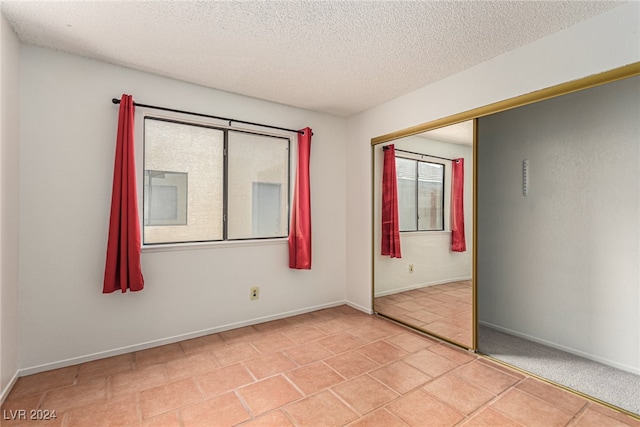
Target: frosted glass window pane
[
  {"x": 196, "y": 152},
  {"x": 430, "y": 196},
  {"x": 258, "y": 186},
  {"x": 407, "y": 210}
]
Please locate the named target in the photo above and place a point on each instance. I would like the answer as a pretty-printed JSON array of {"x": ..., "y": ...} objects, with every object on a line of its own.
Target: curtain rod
[
  {"x": 117, "y": 101},
  {"x": 419, "y": 154}
]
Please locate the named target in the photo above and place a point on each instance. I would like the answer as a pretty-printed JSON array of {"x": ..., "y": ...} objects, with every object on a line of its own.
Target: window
[
  {"x": 420, "y": 195},
  {"x": 165, "y": 198},
  {"x": 203, "y": 183}
]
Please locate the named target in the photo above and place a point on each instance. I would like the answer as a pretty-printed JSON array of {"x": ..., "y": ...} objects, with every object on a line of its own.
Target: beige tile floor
[
  {"x": 332, "y": 367},
  {"x": 444, "y": 310}
]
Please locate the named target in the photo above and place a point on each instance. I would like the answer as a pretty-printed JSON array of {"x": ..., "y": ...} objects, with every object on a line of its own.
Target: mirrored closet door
[
  {"x": 426, "y": 280},
  {"x": 551, "y": 230}
]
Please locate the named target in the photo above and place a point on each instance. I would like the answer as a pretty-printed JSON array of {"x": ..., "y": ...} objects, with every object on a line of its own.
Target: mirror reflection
[{"x": 423, "y": 260}]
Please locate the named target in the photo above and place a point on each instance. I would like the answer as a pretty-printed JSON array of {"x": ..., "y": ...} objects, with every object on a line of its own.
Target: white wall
[
  {"x": 605, "y": 42},
  {"x": 9, "y": 136},
  {"x": 560, "y": 265},
  {"x": 67, "y": 130},
  {"x": 428, "y": 251}
]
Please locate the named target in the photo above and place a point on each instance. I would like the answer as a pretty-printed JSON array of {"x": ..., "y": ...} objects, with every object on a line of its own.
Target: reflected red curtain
[
  {"x": 458, "y": 241},
  {"x": 123, "y": 270},
  {"x": 390, "y": 219},
  {"x": 300, "y": 227}
]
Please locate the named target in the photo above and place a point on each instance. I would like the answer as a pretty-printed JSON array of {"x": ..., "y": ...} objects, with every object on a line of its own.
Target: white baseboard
[
  {"x": 5, "y": 391},
  {"x": 605, "y": 361},
  {"x": 420, "y": 285},
  {"x": 170, "y": 340},
  {"x": 359, "y": 307}
]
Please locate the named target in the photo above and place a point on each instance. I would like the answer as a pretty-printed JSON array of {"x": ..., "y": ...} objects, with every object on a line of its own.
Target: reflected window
[
  {"x": 420, "y": 195},
  {"x": 165, "y": 198}
]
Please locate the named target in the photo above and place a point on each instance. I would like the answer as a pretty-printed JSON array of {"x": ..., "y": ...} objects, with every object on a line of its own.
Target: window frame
[
  {"x": 417, "y": 194},
  {"x": 226, "y": 130}
]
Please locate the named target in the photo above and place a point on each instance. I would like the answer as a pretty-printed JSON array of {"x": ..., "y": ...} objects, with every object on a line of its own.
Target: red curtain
[
  {"x": 458, "y": 242},
  {"x": 300, "y": 229},
  {"x": 123, "y": 270},
  {"x": 390, "y": 219}
]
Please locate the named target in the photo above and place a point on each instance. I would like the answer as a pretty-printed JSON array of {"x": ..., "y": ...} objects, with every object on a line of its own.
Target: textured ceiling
[
  {"x": 338, "y": 57},
  {"x": 460, "y": 133}
]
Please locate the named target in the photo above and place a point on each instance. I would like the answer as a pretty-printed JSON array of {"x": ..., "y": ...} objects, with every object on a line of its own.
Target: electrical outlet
[
  {"x": 255, "y": 293},
  {"x": 410, "y": 268}
]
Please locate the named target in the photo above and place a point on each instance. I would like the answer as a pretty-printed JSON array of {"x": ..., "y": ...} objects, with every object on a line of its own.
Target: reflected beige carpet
[{"x": 615, "y": 386}]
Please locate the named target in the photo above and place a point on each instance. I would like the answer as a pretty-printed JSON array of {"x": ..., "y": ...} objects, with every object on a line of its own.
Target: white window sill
[
  {"x": 424, "y": 233},
  {"x": 171, "y": 247}
]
